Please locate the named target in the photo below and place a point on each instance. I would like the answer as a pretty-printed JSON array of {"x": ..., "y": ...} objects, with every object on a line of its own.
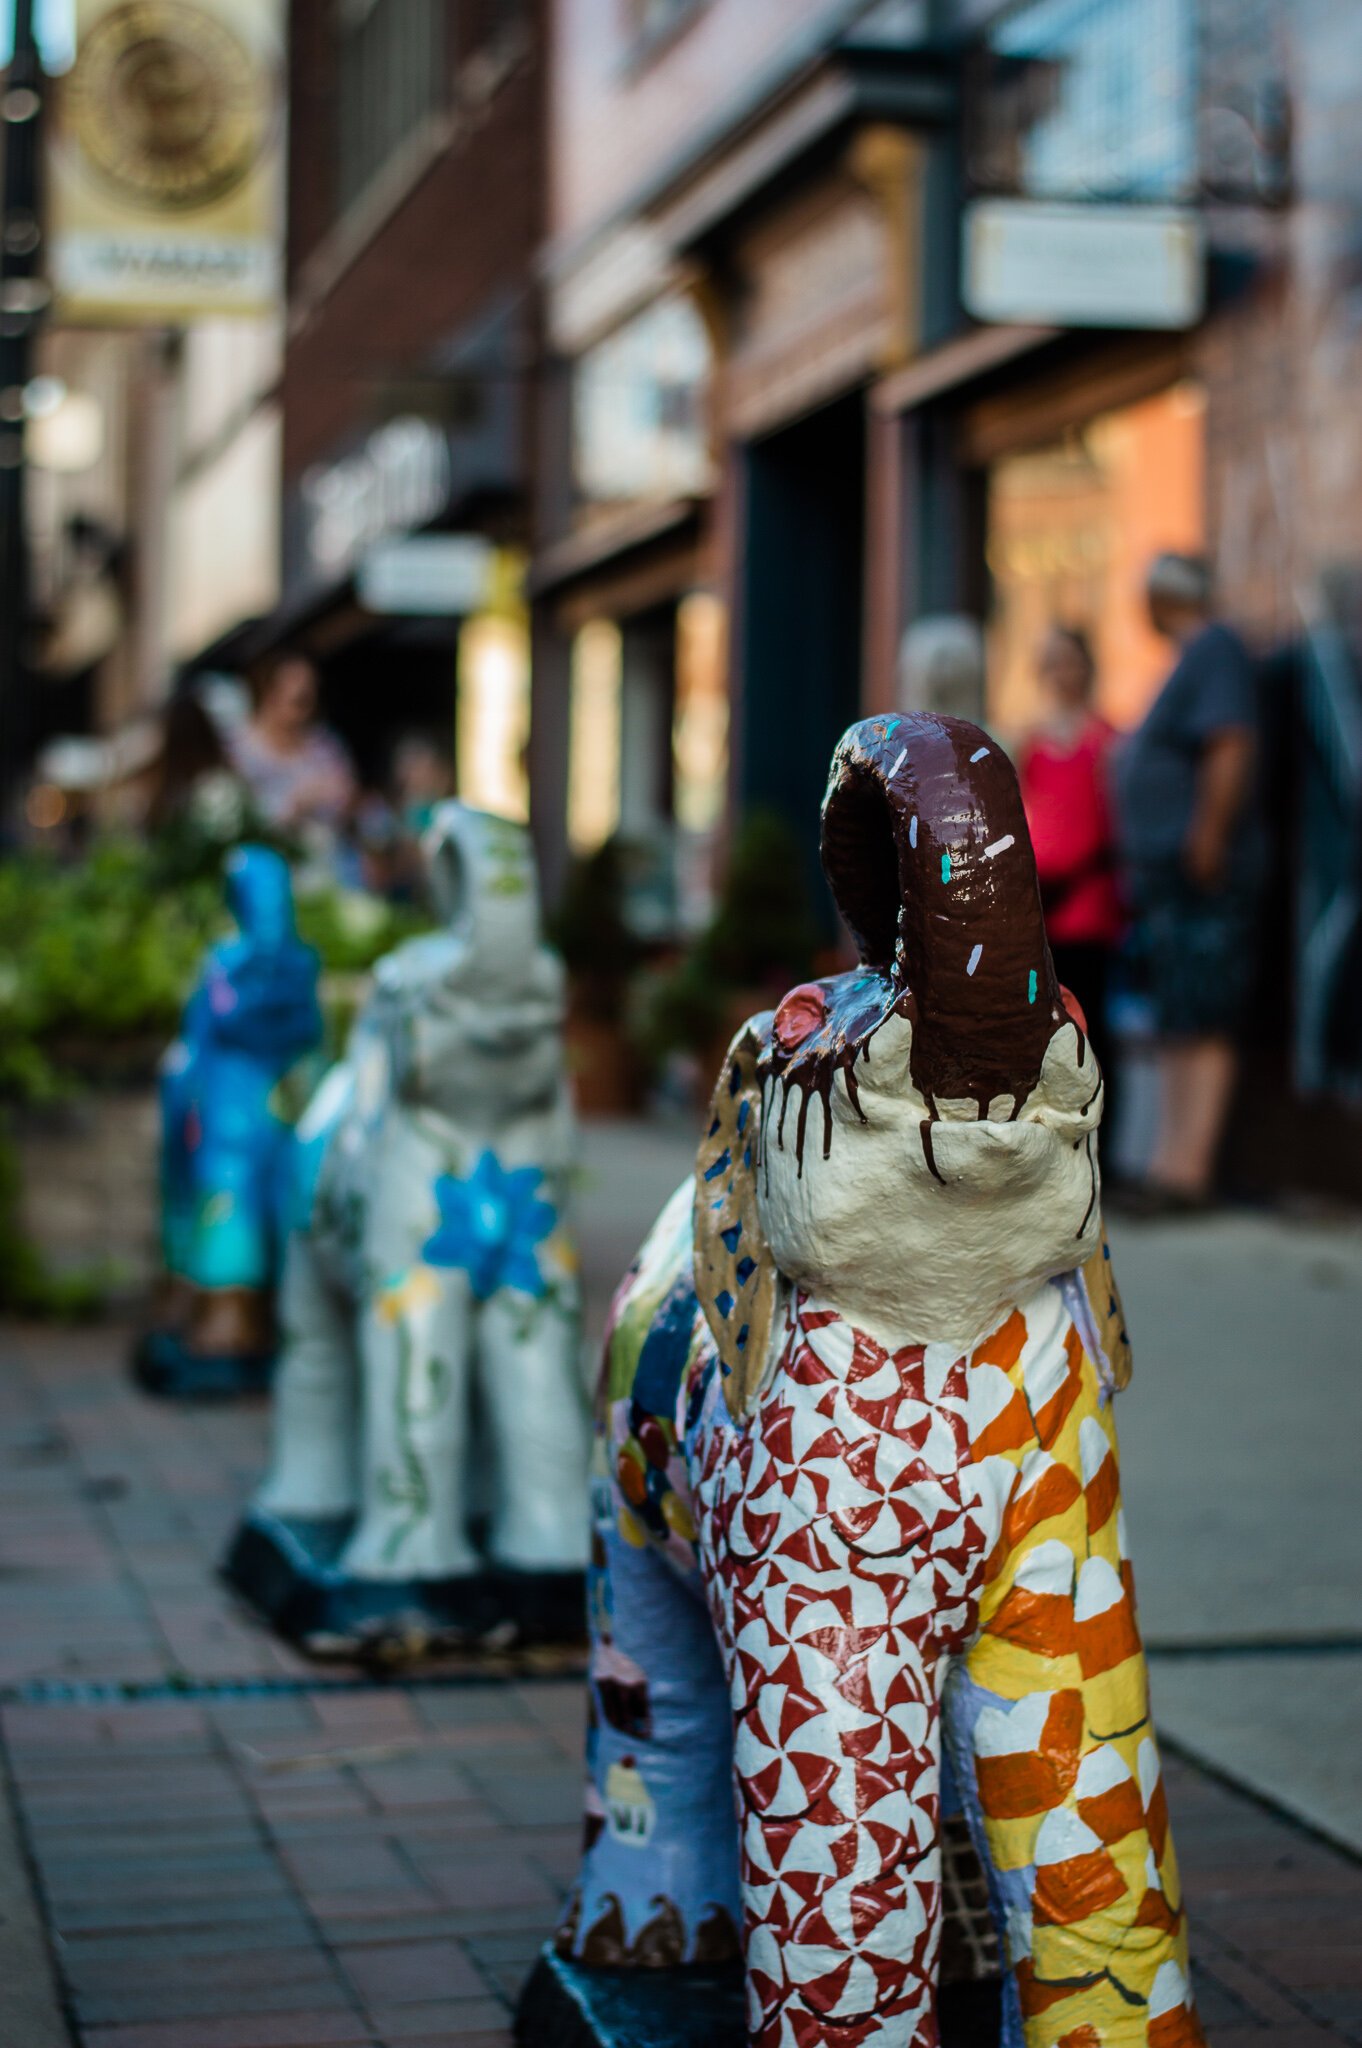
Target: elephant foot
[
  {"x": 566, "y": 2005},
  {"x": 286, "y": 1568},
  {"x": 282, "y": 1567},
  {"x": 232, "y": 1322},
  {"x": 165, "y": 1364}
]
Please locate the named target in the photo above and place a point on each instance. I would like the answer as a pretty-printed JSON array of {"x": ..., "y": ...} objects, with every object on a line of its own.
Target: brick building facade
[
  {"x": 760, "y": 240},
  {"x": 416, "y": 190}
]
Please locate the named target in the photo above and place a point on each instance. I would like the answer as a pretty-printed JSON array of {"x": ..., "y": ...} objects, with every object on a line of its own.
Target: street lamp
[{"x": 23, "y": 299}]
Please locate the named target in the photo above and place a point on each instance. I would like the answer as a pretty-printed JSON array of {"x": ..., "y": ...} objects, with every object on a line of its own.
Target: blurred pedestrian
[
  {"x": 1192, "y": 838},
  {"x": 942, "y": 667},
  {"x": 298, "y": 772},
  {"x": 1064, "y": 765}
]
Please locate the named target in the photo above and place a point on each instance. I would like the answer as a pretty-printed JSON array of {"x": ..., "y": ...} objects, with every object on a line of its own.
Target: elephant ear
[
  {"x": 736, "y": 1278},
  {"x": 1108, "y": 1314}
]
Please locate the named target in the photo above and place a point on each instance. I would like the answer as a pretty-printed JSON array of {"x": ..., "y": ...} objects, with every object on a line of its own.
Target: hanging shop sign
[
  {"x": 1083, "y": 266},
  {"x": 396, "y": 481},
  {"x": 426, "y": 575},
  {"x": 166, "y": 165}
]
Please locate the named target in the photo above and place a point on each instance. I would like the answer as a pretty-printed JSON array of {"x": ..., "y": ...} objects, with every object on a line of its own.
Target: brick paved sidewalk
[{"x": 330, "y": 1860}]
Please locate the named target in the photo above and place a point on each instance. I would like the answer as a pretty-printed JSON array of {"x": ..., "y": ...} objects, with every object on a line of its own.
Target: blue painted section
[{"x": 252, "y": 1014}]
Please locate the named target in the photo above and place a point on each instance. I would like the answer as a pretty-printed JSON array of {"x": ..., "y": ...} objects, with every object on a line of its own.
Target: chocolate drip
[
  {"x": 716, "y": 1938},
  {"x": 606, "y": 1944},
  {"x": 927, "y": 852},
  {"x": 928, "y": 1154},
  {"x": 851, "y": 1009},
  {"x": 1092, "y": 1168},
  {"x": 660, "y": 1943},
  {"x": 803, "y": 1120}
]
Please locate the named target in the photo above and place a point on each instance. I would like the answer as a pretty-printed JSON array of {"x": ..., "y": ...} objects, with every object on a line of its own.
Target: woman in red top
[{"x": 1063, "y": 764}]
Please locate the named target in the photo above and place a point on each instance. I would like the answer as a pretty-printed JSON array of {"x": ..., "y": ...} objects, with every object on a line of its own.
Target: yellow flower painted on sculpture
[
  {"x": 565, "y": 1255},
  {"x": 402, "y": 1299}
]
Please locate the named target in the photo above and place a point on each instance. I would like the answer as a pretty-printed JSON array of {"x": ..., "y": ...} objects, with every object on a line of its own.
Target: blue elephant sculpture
[{"x": 252, "y": 1016}]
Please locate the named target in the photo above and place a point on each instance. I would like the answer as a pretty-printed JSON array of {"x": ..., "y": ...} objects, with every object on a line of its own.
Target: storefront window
[
  {"x": 1086, "y": 100},
  {"x": 493, "y": 718},
  {"x": 594, "y": 736},
  {"x": 1072, "y": 527},
  {"x": 700, "y": 724},
  {"x": 699, "y": 752},
  {"x": 639, "y": 429}
]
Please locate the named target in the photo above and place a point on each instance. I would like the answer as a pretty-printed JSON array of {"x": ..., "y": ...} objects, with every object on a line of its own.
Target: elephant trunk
[{"x": 926, "y": 849}]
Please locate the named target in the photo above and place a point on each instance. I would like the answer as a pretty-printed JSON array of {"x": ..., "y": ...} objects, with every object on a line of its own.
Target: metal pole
[{"x": 23, "y": 296}]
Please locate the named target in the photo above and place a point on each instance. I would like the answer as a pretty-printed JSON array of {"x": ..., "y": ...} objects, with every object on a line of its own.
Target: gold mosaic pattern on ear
[
  {"x": 735, "y": 1276},
  {"x": 1104, "y": 1298}
]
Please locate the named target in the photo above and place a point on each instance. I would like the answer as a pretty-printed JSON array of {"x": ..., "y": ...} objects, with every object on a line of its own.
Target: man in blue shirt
[{"x": 1192, "y": 838}]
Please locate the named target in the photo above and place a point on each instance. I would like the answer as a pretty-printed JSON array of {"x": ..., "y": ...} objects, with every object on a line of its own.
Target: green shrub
[{"x": 96, "y": 960}]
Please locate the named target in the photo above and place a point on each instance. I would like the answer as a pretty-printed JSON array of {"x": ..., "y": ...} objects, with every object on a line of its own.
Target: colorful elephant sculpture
[
  {"x": 428, "y": 1486},
  {"x": 225, "y": 1162},
  {"x": 863, "y": 1615}
]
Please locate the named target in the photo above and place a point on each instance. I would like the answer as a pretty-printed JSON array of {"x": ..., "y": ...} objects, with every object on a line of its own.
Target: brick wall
[{"x": 459, "y": 240}]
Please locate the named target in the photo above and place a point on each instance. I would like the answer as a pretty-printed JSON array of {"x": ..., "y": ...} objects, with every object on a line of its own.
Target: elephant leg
[
  {"x": 234, "y": 1224},
  {"x": 659, "y": 1879},
  {"x": 839, "y": 1772},
  {"x": 532, "y": 1395},
  {"x": 314, "y": 1471},
  {"x": 415, "y": 1347},
  {"x": 1050, "y": 1735},
  {"x": 176, "y": 1170}
]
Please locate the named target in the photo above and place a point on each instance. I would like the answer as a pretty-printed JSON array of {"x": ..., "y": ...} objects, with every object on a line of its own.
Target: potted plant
[
  {"x": 601, "y": 953},
  {"x": 761, "y": 938}
]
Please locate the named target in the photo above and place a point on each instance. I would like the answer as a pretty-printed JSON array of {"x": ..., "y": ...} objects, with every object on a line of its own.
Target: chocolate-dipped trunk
[{"x": 927, "y": 853}]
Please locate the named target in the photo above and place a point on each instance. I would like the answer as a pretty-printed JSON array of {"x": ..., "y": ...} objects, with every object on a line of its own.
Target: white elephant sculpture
[
  {"x": 859, "y": 1562},
  {"x": 431, "y": 1434}
]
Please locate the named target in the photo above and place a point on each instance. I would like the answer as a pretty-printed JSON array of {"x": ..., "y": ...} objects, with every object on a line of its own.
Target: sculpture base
[
  {"x": 163, "y": 1365},
  {"x": 285, "y": 1568},
  {"x": 564, "y": 2005}
]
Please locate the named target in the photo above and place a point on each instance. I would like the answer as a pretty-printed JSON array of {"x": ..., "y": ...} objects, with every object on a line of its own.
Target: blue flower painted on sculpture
[{"x": 490, "y": 1226}]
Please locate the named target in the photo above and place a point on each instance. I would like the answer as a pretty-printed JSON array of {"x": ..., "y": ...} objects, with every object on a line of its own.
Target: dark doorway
[
  {"x": 801, "y": 617},
  {"x": 398, "y": 679}
]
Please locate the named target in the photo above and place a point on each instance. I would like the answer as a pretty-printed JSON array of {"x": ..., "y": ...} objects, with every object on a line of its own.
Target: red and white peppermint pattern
[{"x": 845, "y": 1534}]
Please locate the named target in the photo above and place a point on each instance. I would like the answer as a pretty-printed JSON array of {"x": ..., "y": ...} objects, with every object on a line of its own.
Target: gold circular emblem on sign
[{"x": 168, "y": 105}]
